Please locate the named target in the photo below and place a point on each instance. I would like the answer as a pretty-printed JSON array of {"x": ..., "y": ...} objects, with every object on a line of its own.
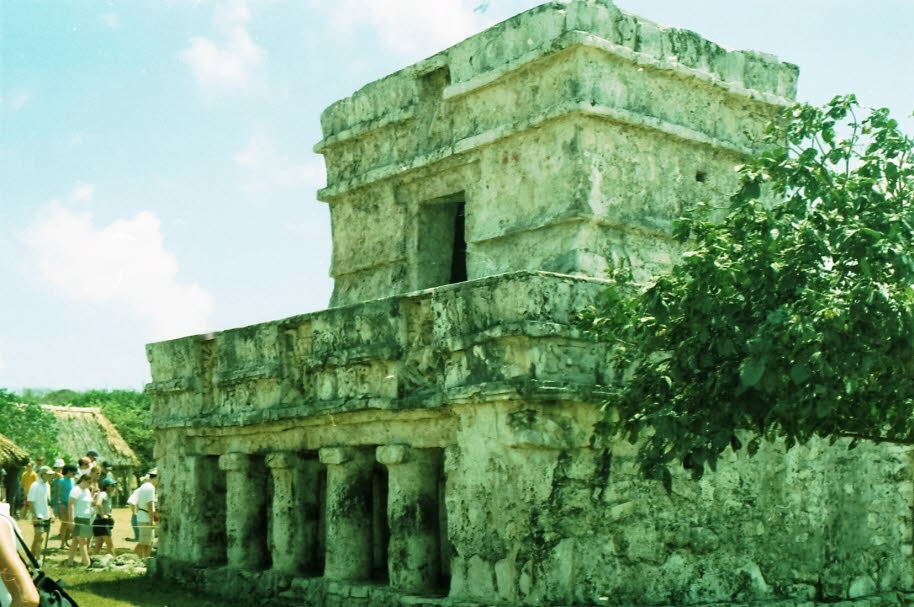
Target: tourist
[
  {"x": 92, "y": 456},
  {"x": 146, "y": 514},
  {"x": 84, "y": 465},
  {"x": 29, "y": 476},
  {"x": 64, "y": 487},
  {"x": 132, "y": 504},
  {"x": 39, "y": 502},
  {"x": 103, "y": 526},
  {"x": 58, "y": 474},
  {"x": 80, "y": 505},
  {"x": 16, "y": 586}
]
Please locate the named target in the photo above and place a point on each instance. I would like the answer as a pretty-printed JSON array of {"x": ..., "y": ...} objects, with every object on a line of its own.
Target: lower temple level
[{"x": 439, "y": 449}]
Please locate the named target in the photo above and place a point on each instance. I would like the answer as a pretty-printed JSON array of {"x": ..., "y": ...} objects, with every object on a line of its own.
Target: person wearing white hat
[
  {"x": 64, "y": 486},
  {"x": 39, "y": 500},
  {"x": 55, "y": 488}
]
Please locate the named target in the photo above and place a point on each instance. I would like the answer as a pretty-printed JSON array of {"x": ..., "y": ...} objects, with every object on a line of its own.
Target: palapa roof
[
  {"x": 84, "y": 428},
  {"x": 11, "y": 454}
]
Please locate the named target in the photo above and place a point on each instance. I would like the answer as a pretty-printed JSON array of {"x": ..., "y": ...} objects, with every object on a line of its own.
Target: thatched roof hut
[
  {"x": 12, "y": 458},
  {"x": 84, "y": 428},
  {"x": 11, "y": 454}
]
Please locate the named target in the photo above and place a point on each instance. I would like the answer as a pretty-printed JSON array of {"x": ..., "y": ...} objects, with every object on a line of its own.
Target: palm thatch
[
  {"x": 11, "y": 454},
  {"x": 84, "y": 428}
]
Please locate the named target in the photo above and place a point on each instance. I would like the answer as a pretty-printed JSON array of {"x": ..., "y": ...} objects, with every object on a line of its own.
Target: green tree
[
  {"x": 791, "y": 316},
  {"x": 128, "y": 410},
  {"x": 29, "y": 426}
]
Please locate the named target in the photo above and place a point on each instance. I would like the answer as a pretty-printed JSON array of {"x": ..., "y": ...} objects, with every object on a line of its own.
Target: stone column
[
  {"x": 293, "y": 520},
  {"x": 414, "y": 558},
  {"x": 206, "y": 517},
  {"x": 245, "y": 516},
  {"x": 348, "y": 512}
]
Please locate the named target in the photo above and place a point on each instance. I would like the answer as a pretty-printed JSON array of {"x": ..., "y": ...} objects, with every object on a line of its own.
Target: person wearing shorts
[
  {"x": 81, "y": 507},
  {"x": 39, "y": 501},
  {"x": 65, "y": 485},
  {"x": 146, "y": 514},
  {"x": 104, "y": 521}
]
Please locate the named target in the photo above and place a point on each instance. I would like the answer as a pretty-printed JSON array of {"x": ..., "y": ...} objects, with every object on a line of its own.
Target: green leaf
[
  {"x": 824, "y": 408},
  {"x": 799, "y": 373},
  {"x": 751, "y": 371}
]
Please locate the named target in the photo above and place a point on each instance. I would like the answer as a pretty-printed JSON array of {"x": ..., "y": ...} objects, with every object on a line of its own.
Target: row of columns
[{"x": 412, "y": 513}]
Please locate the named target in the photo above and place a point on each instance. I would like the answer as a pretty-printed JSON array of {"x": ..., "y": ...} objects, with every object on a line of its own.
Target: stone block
[
  {"x": 335, "y": 456},
  {"x": 390, "y": 455}
]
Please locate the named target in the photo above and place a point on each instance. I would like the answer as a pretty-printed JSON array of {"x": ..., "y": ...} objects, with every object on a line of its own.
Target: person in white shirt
[
  {"x": 145, "y": 516},
  {"x": 132, "y": 503},
  {"x": 39, "y": 501},
  {"x": 81, "y": 505},
  {"x": 104, "y": 521},
  {"x": 16, "y": 586}
]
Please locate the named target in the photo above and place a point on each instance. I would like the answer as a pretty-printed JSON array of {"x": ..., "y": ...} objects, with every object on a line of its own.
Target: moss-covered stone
[{"x": 443, "y": 433}]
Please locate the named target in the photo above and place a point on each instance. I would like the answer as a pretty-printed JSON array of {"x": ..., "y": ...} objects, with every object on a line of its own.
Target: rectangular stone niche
[
  {"x": 295, "y": 512},
  {"x": 441, "y": 242},
  {"x": 210, "y": 485},
  {"x": 414, "y": 513}
]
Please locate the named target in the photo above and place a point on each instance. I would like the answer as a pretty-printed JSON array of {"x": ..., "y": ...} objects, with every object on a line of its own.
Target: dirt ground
[{"x": 122, "y": 531}]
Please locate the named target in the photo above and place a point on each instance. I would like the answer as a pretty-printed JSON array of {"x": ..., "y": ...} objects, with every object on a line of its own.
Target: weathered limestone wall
[
  {"x": 575, "y": 132},
  {"x": 425, "y": 443},
  {"x": 579, "y": 523},
  {"x": 478, "y": 480}
]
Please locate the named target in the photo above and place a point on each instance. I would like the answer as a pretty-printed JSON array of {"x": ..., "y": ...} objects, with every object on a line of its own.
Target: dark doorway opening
[
  {"x": 380, "y": 532},
  {"x": 442, "y": 242},
  {"x": 459, "y": 252}
]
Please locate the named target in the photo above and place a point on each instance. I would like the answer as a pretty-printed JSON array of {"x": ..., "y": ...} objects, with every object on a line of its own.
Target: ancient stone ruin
[{"x": 428, "y": 440}]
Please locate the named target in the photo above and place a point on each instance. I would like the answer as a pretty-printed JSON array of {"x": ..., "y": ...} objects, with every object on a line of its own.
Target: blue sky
[{"x": 156, "y": 173}]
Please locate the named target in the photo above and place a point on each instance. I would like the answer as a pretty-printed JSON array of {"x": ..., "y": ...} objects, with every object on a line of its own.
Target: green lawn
[{"x": 117, "y": 589}]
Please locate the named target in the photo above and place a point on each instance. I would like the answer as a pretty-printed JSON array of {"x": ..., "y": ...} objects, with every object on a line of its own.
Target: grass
[{"x": 119, "y": 589}]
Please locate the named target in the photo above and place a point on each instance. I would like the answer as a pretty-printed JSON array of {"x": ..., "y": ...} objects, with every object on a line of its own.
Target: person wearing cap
[
  {"x": 92, "y": 454},
  {"x": 145, "y": 516},
  {"x": 58, "y": 474},
  {"x": 105, "y": 475},
  {"x": 132, "y": 503},
  {"x": 39, "y": 501},
  {"x": 64, "y": 486},
  {"x": 104, "y": 522}
]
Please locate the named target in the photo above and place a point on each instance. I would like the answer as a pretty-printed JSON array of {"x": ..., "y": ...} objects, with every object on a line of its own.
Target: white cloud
[
  {"x": 111, "y": 20},
  {"x": 125, "y": 262},
  {"x": 228, "y": 63},
  {"x": 409, "y": 26},
  {"x": 265, "y": 169},
  {"x": 16, "y": 100},
  {"x": 82, "y": 192}
]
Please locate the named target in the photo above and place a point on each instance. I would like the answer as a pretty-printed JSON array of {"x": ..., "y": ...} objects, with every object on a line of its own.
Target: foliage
[
  {"x": 792, "y": 316},
  {"x": 29, "y": 426},
  {"x": 128, "y": 410}
]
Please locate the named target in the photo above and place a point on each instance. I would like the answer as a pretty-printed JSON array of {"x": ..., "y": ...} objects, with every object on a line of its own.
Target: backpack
[{"x": 50, "y": 592}]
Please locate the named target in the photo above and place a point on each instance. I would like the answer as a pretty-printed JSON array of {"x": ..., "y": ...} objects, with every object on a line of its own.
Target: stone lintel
[
  {"x": 232, "y": 462},
  {"x": 283, "y": 459}
]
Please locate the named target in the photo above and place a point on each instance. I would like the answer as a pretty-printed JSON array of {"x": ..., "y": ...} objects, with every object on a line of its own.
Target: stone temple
[{"x": 428, "y": 439}]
